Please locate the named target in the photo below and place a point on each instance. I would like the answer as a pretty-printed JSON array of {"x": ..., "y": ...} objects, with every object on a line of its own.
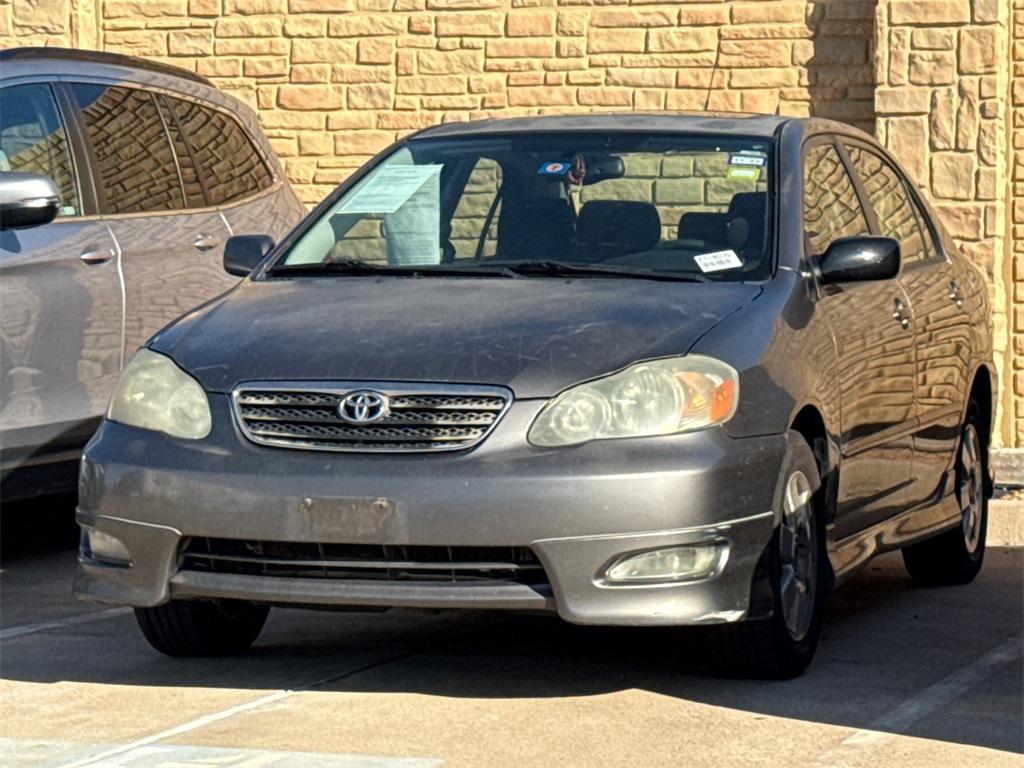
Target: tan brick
[
  {"x": 942, "y": 118},
  {"x": 255, "y": 7},
  {"x": 685, "y": 100},
  {"x": 446, "y": 103},
  {"x": 520, "y": 48},
  {"x": 136, "y": 9},
  {"x": 963, "y": 221},
  {"x": 249, "y": 27},
  {"x": 530, "y": 23},
  {"x": 952, "y": 176},
  {"x": 703, "y": 15},
  {"x": 421, "y": 24},
  {"x": 616, "y": 40},
  {"x": 648, "y": 99},
  {"x": 251, "y": 46},
  {"x": 348, "y": 121},
  {"x": 323, "y": 51},
  {"x": 541, "y": 97},
  {"x": 469, "y": 5},
  {"x": 204, "y": 8},
  {"x": 905, "y": 138},
  {"x": 572, "y": 23},
  {"x": 902, "y": 101},
  {"x": 448, "y": 62},
  {"x": 372, "y": 96},
  {"x": 309, "y": 73},
  {"x": 308, "y": 97},
  {"x": 756, "y": 53},
  {"x": 320, "y": 6},
  {"x": 605, "y": 97},
  {"x": 362, "y": 142},
  {"x": 469, "y": 24},
  {"x": 701, "y": 39},
  {"x": 926, "y": 12},
  {"x": 365, "y": 26},
  {"x": 190, "y": 42},
  {"x": 615, "y": 17},
  {"x": 295, "y": 120},
  {"x": 933, "y": 39},
  {"x": 276, "y": 66},
  {"x": 745, "y": 13},
  {"x": 641, "y": 78},
  {"x": 375, "y": 51},
  {"x": 978, "y": 51},
  {"x": 211, "y": 66},
  {"x": 137, "y": 42},
  {"x": 932, "y": 67},
  {"x": 763, "y": 78},
  {"x": 433, "y": 85},
  {"x": 304, "y": 26},
  {"x": 985, "y": 11}
]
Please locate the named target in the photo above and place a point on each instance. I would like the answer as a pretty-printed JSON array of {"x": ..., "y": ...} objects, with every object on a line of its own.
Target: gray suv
[{"x": 120, "y": 182}]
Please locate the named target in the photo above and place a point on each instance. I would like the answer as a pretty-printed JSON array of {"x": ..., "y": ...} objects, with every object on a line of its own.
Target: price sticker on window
[{"x": 718, "y": 260}]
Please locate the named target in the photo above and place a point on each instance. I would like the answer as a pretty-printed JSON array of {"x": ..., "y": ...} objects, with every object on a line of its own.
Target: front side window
[
  {"x": 890, "y": 201},
  {"x": 33, "y": 140},
  {"x": 674, "y": 205},
  {"x": 831, "y": 208},
  {"x": 134, "y": 159},
  {"x": 229, "y": 165}
]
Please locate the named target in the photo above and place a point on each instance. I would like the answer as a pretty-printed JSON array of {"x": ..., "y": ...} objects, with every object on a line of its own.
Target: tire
[
  {"x": 955, "y": 557},
  {"x": 782, "y": 646},
  {"x": 187, "y": 628}
]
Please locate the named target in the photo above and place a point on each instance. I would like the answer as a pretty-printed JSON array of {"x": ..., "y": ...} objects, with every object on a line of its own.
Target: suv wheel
[
  {"x": 202, "y": 627},
  {"x": 782, "y": 646},
  {"x": 955, "y": 557}
]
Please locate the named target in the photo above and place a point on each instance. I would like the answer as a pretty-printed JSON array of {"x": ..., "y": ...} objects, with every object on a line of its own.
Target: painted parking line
[
  {"x": 899, "y": 720},
  {"x": 70, "y": 621},
  {"x": 27, "y": 753}
]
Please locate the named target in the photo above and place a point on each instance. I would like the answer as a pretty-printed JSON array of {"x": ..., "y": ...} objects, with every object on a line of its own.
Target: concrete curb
[{"x": 1005, "y": 523}]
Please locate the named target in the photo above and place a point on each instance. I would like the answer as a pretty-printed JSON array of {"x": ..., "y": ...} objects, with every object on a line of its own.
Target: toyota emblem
[{"x": 363, "y": 407}]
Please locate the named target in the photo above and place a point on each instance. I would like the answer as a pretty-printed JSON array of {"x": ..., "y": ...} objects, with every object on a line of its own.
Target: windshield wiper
[
  {"x": 359, "y": 267},
  {"x": 548, "y": 268}
]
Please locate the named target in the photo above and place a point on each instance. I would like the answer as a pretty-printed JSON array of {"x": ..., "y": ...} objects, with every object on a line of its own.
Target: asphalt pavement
[{"x": 904, "y": 677}]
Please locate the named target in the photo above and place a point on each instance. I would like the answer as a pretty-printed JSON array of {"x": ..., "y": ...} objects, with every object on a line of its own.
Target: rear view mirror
[
  {"x": 243, "y": 252},
  {"x": 602, "y": 167},
  {"x": 857, "y": 259},
  {"x": 27, "y": 200}
]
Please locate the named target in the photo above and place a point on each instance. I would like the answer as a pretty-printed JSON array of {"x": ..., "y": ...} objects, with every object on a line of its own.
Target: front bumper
[{"x": 577, "y": 509}]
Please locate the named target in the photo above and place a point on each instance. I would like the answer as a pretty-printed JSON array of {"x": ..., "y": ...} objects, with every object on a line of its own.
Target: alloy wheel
[
  {"x": 970, "y": 487},
  {"x": 798, "y": 556}
]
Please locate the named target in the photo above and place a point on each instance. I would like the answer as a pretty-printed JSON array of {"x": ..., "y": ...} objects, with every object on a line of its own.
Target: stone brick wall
[{"x": 336, "y": 80}]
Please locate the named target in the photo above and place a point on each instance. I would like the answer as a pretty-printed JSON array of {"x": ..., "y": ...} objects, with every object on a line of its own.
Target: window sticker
[
  {"x": 388, "y": 188},
  {"x": 414, "y": 230},
  {"x": 743, "y": 172},
  {"x": 753, "y": 160},
  {"x": 718, "y": 260},
  {"x": 554, "y": 169}
]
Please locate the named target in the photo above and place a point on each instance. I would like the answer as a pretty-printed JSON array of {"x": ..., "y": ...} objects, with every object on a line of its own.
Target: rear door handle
[
  {"x": 205, "y": 242},
  {"x": 898, "y": 315},
  {"x": 97, "y": 255},
  {"x": 954, "y": 294}
]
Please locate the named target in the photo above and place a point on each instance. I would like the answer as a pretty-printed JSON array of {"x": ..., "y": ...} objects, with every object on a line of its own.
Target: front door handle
[
  {"x": 898, "y": 316},
  {"x": 97, "y": 255},
  {"x": 954, "y": 294},
  {"x": 205, "y": 242}
]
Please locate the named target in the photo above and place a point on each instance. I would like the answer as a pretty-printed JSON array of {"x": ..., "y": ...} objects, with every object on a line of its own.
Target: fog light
[
  {"x": 97, "y": 545},
  {"x": 684, "y": 563}
]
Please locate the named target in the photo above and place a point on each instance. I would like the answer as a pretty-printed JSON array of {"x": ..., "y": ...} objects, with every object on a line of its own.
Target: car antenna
[{"x": 714, "y": 70}]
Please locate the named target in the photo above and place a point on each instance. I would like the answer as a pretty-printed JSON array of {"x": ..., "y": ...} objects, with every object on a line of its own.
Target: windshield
[{"x": 552, "y": 204}]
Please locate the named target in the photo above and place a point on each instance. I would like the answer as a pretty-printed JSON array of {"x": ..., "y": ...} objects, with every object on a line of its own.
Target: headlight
[
  {"x": 154, "y": 393},
  {"x": 660, "y": 397}
]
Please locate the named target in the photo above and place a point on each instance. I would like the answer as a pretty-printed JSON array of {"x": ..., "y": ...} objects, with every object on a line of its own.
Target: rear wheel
[
  {"x": 955, "y": 557},
  {"x": 202, "y": 627},
  {"x": 782, "y": 646}
]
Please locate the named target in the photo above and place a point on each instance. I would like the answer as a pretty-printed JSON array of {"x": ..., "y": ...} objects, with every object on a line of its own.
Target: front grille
[
  {"x": 418, "y": 417},
  {"x": 363, "y": 562}
]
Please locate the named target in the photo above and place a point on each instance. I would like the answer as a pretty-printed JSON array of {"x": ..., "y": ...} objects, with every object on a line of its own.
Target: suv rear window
[
  {"x": 230, "y": 167},
  {"x": 134, "y": 159}
]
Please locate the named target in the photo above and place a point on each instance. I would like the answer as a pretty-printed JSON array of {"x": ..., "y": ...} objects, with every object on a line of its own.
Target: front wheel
[
  {"x": 782, "y": 646},
  {"x": 202, "y": 627},
  {"x": 955, "y": 557}
]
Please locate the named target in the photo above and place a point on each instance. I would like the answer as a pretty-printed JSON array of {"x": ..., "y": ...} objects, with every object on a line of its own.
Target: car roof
[
  {"x": 711, "y": 123},
  {"x": 53, "y": 55}
]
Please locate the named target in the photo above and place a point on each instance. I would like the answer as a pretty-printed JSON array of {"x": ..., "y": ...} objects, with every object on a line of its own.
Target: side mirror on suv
[
  {"x": 861, "y": 258},
  {"x": 243, "y": 252},
  {"x": 27, "y": 200}
]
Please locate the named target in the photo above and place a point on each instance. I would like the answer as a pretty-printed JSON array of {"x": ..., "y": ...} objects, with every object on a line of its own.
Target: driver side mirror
[
  {"x": 242, "y": 253},
  {"x": 27, "y": 200},
  {"x": 858, "y": 259}
]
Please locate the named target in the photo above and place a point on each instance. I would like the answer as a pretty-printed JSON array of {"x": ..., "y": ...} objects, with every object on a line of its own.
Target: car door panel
[
  {"x": 872, "y": 327},
  {"x": 60, "y": 295}
]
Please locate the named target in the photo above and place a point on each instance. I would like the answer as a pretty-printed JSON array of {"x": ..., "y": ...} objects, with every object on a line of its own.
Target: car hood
[{"x": 534, "y": 335}]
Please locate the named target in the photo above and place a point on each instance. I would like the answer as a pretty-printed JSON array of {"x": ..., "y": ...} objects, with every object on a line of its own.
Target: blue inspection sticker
[{"x": 554, "y": 169}]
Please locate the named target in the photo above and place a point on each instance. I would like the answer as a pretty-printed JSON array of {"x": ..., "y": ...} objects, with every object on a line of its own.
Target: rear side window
[
  {"x": 33, "y": 140},
  {"x": 891, "y": 203},
  {"x": 230, "y": 166},
  {"x": 831, "y": 207},
  {"x": 134, "y": 159}
]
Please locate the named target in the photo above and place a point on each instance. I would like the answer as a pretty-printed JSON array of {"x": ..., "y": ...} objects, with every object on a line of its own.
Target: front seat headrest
[
  {"x": 536, "y": 230},
  {"x": 610, "y": 228}
]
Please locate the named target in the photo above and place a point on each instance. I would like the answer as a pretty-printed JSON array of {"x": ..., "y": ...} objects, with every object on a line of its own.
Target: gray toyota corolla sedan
[{"x": 630, "y": 369}]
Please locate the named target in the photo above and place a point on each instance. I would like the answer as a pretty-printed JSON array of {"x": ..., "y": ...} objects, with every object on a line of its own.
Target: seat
[
  {"x": 610, "y": 228},
  {"x": 706, "y": 227},
  {"x": 536, "y": 230},
  {"x": 746, "y": 223}
]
